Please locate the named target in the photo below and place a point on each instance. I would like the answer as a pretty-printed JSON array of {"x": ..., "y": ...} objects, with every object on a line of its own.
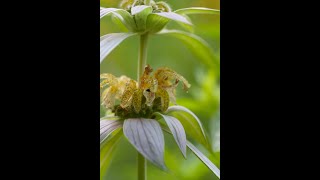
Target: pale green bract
[
  {"x": 201, "y": 156},
  {"x": 177, "y": 131},
  {"x": 110, "y": 41},
  {"x": 147, "y": 137}
]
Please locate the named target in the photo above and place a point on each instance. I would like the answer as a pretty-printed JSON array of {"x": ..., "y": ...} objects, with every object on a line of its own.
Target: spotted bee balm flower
[
  {"x": 152, "y": 94},
  {"x": 142, "y": 110}
]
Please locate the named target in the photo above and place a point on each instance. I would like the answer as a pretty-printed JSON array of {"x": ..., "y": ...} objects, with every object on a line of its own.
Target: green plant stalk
[
  {"x": 142, "y": 167},
  {"x": 142, "y": 61}
]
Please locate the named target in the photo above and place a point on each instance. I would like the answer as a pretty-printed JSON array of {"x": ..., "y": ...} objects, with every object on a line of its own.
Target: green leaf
[
  {"x": 174, "y": 16},
  {"x": 192, "y": 124},
  {"x": 119, "y": 23},
  {"x": 204, "y": 159},
  {"x": 105, "y": 11},
  {"x": 140, "y": 15},
  {"x": 147, "y": 137},
  {"x": 197, "y": 10},
  {"x": 197, "y": 45},
  {"x": 107, "y": 127},
  {"x": 107, "y": 150},
  {"x": 155, "y": 23},
  {"x": 186, "y": 26},
  {"x": 110, "y": 41},
  {"x": 123, "y": 15},
  {"x": 177, "y": 130}
]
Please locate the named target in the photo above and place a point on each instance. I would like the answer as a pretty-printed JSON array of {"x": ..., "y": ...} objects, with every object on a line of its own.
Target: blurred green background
[{"x": 203, "y": 97}]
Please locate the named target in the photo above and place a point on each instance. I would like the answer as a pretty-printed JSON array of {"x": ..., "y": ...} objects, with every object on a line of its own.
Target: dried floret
[
  {"x": 146, "y": 80},
  {"x": 128, "y": 92},
  {"x": 137, "y": 100},
  {"x": 108, "y": 97},
  {"x": 119, "y": 88},
  {"x": 168, "y": 78},
  {"x": 108, "y": 79},
  {"x": 163, "y": 94}
]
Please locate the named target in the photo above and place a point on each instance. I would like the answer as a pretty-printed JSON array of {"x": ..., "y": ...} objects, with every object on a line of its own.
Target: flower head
[{"x": 152, "y": 94}]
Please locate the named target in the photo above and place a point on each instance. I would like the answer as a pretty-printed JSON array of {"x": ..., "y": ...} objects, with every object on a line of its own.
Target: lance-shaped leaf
[
  {"x": 157, "y": 21},
  {"x": 174, "y": 16},
  {"x": 107, "y": 150},
  {"x": 147, "y": 137},
  {"x": 110, "y": 41},
  {"x": 119, "y": 23},
  {"x": 140, "y": 14},
  {"x": 197, "y": 45},
  {"x": 194, "y": 10},
  {"x": 123, "y": 15},
  {"x": 177, "y": 131},
  {"x": 204, "y": 159},
  {"x": 187, "y": 27},
  {"x": 105, "y": 11},
  {"x": 200, "y": 155},
  {"x": 197, "y": 10},
  {"x": 192, "y": 124},
  {"x": 107, "y": 127}
]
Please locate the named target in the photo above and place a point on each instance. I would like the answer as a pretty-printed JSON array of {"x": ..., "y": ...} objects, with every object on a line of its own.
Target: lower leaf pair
[{"x": 146, "y": 135}]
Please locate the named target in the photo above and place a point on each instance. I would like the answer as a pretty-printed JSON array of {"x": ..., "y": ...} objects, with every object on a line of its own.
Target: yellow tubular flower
[
  {"x": 109, "y": 97},
  {"x": 137, "y": 100},
  {"x": 164, "y": 98},
  {"x": 128, "y": 92},
  {"x": 108, "y": 79}
]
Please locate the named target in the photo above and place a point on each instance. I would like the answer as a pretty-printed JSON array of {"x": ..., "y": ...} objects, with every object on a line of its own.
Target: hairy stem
[
  {"x": 142, "y": 167},
  {"x": 142, "y": 61}
]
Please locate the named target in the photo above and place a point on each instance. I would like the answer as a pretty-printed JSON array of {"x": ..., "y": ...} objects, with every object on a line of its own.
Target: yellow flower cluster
[{"x": 137, "y": 96}]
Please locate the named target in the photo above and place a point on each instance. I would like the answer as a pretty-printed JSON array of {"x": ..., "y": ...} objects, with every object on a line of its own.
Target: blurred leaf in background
[{"x": 203, "y": 97}]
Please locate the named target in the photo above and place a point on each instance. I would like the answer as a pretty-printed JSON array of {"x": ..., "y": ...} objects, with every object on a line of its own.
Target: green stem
[
  {"x": 142, "y": 62},
  {"x": 142, "y": 167}
]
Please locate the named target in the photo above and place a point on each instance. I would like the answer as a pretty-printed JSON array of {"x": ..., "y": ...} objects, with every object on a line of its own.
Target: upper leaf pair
[{"x": 140, "y": 19}]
